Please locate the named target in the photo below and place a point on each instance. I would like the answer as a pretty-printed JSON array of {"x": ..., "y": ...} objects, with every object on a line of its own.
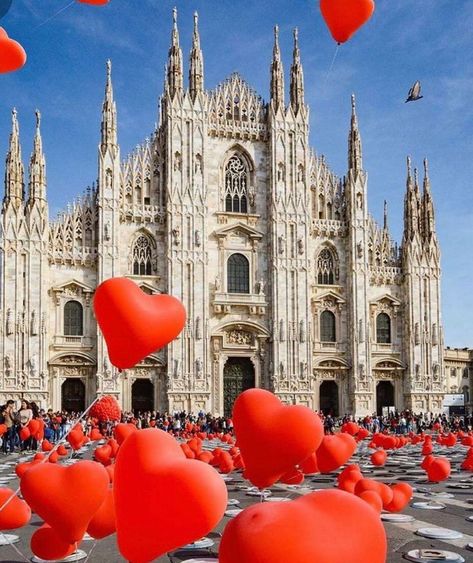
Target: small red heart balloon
[
  {"x": 47, "y": 544},
  {"x": 133, "y": 323},
  {"x": 335, "y": 451},
  {"x": 438, "y": 469},
  {"x": 51, "y": 491},
  {"x": 94, "y": 2},
  {"x": 16, "y": 513},
  {"x": 379, "y": 458},
  {"x": 12, "y": 54},
  {"x": 154, "y": 484},
  {"x": 345, "y": 17},
  {"x": 304, "y": 530},
  {"x": 264, "y": 428},
  {"x": 402, "y": 494}
]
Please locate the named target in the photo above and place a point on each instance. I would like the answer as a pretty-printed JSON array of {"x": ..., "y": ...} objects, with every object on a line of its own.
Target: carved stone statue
[
  {"x": 361, "y": 331},
  {"x": 177, "y": 367},
  {"x": 302, "y": 331},
  {"x": 107, "y": 230},
  {"x": 218, "y": 284},
  {"x": 199, "y": 367},
  {"x": 34, "y": 323},
  {"x": 300, "y": 245},
  {"x": 176, "y": 233},
  {"x": 106, "y": 366},
  {"x": 7, "y": 361},
  {"x": 34, "y": 365},
  {"x": 198, "y": 329},
  {"x": 252, "y": 195},
  {"x": 281, "y": 242},
  {"x": 282, "y": 331},
  {"x": 9, "y": 327},
  {"x": 303, "y": 370},
  {"x": 198, "y": 238},
  {"x": 261, "y": 287}
]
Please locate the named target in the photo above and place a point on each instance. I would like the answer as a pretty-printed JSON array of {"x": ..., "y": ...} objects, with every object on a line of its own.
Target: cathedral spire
[
  {"x": 428, "y": 215},
  {"x": 175, "y": 70},
  {"x": 37, "y": 169},
  {"x": 411, "y": 204},
  {"x": 196, "y": 69},
  {"x": 355, "y": 159},
  {"x": 385, "y": 222},
  {"x": 109, "y": 114},
  {"x": 14, "y": 171},
  {"x": 277, "y": 74},
  {"x": 297, "y": 77}
]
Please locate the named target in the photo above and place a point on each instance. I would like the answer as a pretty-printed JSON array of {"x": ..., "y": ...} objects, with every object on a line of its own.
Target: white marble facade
[{"x": 288, "y": 282}]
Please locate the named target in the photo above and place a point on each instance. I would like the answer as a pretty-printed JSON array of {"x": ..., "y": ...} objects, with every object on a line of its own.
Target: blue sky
[{"x": 429, "y": 40}]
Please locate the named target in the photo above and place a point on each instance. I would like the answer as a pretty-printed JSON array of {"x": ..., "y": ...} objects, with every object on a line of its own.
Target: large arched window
[
  {"x": 238, "y": 274},
  {"x": 73, "y": 319},
  {"x": 142, "y": 256},
  {"x": 383, "y": 329},
  {"x": 327, "y": 327},
  {"x": 325, "y": 268},
  {"x": 236, "y": 185}
]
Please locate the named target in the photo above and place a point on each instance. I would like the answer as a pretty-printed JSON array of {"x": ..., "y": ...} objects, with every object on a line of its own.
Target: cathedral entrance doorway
[
  {"x": 73, "y": 395},
  {"x": 384, "y": 396},
  {"x": 238, "y": 375},
  {"x": 142, "y": 396},
  {"x": 329, "y": 398}
]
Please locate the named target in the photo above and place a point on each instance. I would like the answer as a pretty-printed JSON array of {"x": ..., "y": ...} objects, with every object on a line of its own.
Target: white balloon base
[
  {"x": 8, "y": 539},
  {"x": 76, "y": 556}
]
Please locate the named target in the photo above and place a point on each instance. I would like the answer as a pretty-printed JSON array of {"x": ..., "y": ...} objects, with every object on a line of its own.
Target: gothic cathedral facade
[{"x": 288, "y": 282}]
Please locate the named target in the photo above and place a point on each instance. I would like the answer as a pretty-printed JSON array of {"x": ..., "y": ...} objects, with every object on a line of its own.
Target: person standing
[
  {"x": 25, "y": 414},
  {"x": 9, "y": 421}
]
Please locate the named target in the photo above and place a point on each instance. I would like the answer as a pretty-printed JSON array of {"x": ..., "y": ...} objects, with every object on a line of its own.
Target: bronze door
[
  {"x": 142, "y": 396},
  {"x": 73, "y": 395},
  {"x": 329, "y": 398},
  {"x": 238, "y": 375}
]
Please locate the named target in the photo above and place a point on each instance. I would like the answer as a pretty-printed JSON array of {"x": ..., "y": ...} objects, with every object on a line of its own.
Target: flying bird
[{"x": 414, "y": 93}]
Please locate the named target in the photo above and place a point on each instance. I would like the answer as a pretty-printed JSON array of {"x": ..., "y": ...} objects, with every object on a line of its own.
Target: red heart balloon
[
  {"x": 47, "y": 544},
  {"x": 153, "y": 479},
  {"x": 385, "y": 492},
  {"x": 264, "y": 428},
  {"x": 345, "y": 17},
  {"x": 12, "y": 54},
  {"x": 402, "y": 494},
  {"x": 379, "y": 458},
  {"x": 102, "y": 454},
  {"x": 133, "y": 323},
  {"x": 122, "y": 431},
  {"x": 373, "y": 499},
  {"x": 335, "y": 451},
  {"x": 94, "y": 2},
  {"x": 16, "y": 513},
  {"x": 304, "y": 530},
  {"x": 349, "y": 477},
  {"x": 103, "y": 523},
  {"x": 51, "y": 491},
  {"x": 438, "y": 469}
]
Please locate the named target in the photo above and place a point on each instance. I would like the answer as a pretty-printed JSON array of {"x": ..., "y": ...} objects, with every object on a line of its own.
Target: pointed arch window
[
  {"x": 238, "y": 274},
  {"x": 383, "y": 329},
  {"x": 236, "y": 185},
  {"x": 142, "y": 257},
  {"x": 325, "y": 268},
  {"x": 73, "y": 319},
  {"x": 327, "y": 327}
]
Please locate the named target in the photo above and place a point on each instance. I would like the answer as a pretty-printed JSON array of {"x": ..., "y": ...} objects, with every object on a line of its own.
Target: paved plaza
[{"x": 447, "y": 505}]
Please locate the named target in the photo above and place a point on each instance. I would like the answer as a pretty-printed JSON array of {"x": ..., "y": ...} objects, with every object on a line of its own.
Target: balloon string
[
  {"x": 61, "y": 441},
  {"x": 90, "y": 552},
  {"x": 331, "y": 66},
  {"x": 54, "y": 15},
  {"x": 11, "y": 544}
]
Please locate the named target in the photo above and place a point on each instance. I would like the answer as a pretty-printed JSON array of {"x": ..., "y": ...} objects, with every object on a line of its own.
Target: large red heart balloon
[
  {"x": 133, "y": 323},
  {"x": 344, "y": 17},
  {"x": 47, "y": 544},
  {"x": 66, "y": 497},
  {"x": 335, "y": 451},
  {"x": 122, "y": 431},
  {"x": 323, "y": 527},
  {"x": 12, "y": 54},
  {"x": 16, "y": 513},
  {"x": 103, "y": 523},
  {"x": 162, "y": 500},
  {"x": 266, "y": 435}
]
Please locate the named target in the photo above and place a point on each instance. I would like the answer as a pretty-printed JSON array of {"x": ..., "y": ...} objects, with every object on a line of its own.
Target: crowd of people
[{"x": 56, "y": 424}]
